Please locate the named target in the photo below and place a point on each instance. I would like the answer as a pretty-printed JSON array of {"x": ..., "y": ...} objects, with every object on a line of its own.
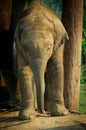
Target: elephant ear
[
  {"x": 60, "y": 34},
  {"x": 64, "y": 39}
]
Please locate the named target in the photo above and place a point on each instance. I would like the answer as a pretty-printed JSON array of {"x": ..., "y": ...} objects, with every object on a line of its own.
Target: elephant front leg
[
  {"x": 56, "y": 80},
  {"x": 27, "y": 107}
]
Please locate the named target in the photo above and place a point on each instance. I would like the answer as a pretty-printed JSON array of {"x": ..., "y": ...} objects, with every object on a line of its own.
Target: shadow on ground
[
  {"x": 9, "y": 121},
  {"x": 71, "y": 127}
]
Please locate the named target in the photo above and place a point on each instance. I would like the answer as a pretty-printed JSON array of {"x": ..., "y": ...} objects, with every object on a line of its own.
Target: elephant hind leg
[{"x": 47, "y": 94}]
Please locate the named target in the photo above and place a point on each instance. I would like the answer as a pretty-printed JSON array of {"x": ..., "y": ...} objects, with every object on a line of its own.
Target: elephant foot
[
  {"x": 26, "y": 113},
  {"x": 59, "y": 110}
]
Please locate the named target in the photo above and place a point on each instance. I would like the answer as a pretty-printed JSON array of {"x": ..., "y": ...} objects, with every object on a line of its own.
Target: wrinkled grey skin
[{"x": 38, "y": 39}]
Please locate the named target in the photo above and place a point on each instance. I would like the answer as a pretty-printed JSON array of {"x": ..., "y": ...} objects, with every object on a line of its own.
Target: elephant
[
  {"x": 39, "y": 42},
  {"x": 10, "y": 11}
]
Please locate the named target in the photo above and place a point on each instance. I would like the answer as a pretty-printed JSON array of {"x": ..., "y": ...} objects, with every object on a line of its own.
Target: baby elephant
[{"x": 38, "y": 40}]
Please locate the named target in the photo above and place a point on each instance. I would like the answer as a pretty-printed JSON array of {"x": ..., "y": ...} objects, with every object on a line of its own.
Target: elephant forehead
[
  {"x": 35, "y": 22},
  {"x": 36, "y": 40},
  {"x": 36, "y": 36},
  {"x": 36, "y": 26},
  {"x": 32, "y": 33}
]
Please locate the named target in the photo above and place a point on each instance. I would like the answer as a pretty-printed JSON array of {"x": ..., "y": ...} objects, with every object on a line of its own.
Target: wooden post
[{"x": 72, "y": 20}]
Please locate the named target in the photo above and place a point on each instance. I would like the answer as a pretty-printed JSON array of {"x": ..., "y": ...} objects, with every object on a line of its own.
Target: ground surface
[{"x": 9, "y": 121}]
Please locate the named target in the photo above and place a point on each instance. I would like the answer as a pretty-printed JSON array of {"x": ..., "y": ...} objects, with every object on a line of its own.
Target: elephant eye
[{"x": 49, "y": 47}]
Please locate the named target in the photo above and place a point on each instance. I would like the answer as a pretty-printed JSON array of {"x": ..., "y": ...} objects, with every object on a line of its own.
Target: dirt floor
[{"x": 9, "y": 121}]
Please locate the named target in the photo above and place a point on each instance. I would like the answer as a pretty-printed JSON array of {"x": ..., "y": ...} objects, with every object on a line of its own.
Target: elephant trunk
[{"x": 38, "y": 69}]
